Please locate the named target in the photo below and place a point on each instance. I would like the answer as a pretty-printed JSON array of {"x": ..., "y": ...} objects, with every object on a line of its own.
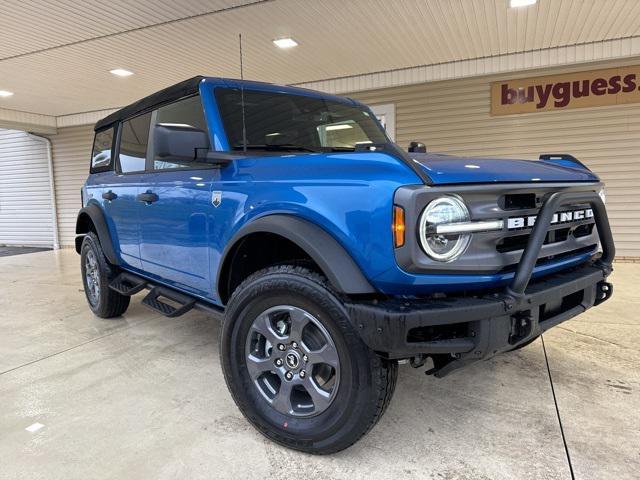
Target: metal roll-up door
[{"x": 26, "y": 207}]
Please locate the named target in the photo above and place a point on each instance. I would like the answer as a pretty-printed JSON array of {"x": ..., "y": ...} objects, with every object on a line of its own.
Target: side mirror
[
  {"x": 178, "y": 141},
  {"x": 417, "y": 147}
]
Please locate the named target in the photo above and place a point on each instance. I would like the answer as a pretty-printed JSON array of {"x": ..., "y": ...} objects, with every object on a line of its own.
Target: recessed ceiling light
[
  {"x": 522, "y": 3},
  {"x": 285, "y": 42},
  {"x": 121, "y": 72},
  {"x": 5, "y": 93}
]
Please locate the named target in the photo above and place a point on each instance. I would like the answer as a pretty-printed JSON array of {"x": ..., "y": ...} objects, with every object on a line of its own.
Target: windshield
[{"x": 281, "y": 121}]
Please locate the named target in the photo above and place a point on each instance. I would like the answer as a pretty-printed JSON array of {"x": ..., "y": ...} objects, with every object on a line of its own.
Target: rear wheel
[
  {"x": 97, "y": 273},
  {"x": 295, "y": 366}
]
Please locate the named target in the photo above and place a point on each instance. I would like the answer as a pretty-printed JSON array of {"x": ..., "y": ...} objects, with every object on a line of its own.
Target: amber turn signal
[{"x": 398, "y": 226}]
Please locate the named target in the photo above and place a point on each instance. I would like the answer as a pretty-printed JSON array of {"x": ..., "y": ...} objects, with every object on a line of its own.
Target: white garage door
[{"x": 26, "y": 213}]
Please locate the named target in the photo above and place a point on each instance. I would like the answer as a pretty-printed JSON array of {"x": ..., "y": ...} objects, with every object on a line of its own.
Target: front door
[
  {"x": 176, "y": 204},
  {"x": 174, "y": 243}
]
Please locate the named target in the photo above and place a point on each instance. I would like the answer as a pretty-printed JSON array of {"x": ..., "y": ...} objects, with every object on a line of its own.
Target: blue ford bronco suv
[{"x": 333, "y": 254}]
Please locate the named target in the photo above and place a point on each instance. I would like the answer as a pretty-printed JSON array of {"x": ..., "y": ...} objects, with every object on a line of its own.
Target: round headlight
[{"x": 443, "y": 248}]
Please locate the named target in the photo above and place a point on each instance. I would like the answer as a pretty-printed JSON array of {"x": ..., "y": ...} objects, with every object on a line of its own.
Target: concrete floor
[{"x": 143, "y": 397}]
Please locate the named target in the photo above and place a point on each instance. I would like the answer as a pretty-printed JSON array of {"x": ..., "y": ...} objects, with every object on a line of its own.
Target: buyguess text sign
[{"x": 612, "y": 86}]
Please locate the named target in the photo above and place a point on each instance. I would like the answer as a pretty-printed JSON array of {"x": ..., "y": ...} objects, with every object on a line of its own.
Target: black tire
[
  {"x": 366, "y": 381},
  {"x": 106, "y": 303}
]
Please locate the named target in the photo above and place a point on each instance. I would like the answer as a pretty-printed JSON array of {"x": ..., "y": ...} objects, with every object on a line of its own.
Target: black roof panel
[{"x": 174, "y": 92}]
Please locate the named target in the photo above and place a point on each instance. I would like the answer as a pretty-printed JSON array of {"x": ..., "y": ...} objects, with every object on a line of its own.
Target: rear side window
[
  {"x": 101, "y": 154},
  {"x": 134, "y": 138}
]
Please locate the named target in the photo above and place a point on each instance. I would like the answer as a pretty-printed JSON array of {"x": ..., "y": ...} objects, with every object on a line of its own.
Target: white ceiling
[{"x": 55, "y": 55}]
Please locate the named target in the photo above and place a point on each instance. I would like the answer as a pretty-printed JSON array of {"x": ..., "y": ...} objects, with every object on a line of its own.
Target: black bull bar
[{"x": 543, "y": 222}]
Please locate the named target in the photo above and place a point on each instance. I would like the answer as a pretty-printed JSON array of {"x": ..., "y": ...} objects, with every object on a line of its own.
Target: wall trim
[
  {"x": 83, "y": 118},
  {"x": 511, "y": 62},
  {"x": 27, "y": 122}
]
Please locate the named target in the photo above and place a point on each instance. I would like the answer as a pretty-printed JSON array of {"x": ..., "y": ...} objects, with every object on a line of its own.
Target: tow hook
[
  {"x": 521, "y": 326},
  {"x": 603, "y": 293}
]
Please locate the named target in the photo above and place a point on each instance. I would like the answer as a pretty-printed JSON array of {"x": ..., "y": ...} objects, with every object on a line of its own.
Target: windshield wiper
[
  {"x": 342, "y": 149},
  {"x": 284, "y": 147}
]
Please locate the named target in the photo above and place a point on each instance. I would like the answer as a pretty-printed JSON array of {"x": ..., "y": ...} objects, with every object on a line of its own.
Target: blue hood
[{"x": 447, "y": 169}]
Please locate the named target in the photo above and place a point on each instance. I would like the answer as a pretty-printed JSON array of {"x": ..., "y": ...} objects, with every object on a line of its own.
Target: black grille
[
  {"x": 518, "y": 242},
  {"x": 560, "y": 256}
]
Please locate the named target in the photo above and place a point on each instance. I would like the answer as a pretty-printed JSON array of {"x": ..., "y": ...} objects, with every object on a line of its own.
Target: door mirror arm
[{"x": 219, "y": 159}]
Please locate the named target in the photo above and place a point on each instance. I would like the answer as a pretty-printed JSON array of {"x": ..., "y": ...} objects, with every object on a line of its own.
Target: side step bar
[
  {"x": 180, "y": 303},
  {"x": 128, "y": 284},
  {"x": 152, "y": 300}
]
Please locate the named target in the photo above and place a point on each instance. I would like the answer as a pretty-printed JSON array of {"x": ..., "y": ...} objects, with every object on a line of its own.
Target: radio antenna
[{"x": 244, "y": 126}]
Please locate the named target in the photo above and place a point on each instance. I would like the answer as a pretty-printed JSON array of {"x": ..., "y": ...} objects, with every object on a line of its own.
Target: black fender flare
[
  {"x": 94, "y": 212},
  {"x": 334, "y": 261}
]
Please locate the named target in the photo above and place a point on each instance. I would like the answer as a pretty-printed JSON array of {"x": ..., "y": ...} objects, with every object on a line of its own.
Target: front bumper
[{"x": 457, "y": 330}]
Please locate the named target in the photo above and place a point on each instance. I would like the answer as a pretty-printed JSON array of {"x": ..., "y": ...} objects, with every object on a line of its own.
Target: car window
[
  {"x": 134, "y": 137},
  {"x": 101, "y": 154},
  {"x": 281, "y": 121},
  {"x": 179, "y": 133}
]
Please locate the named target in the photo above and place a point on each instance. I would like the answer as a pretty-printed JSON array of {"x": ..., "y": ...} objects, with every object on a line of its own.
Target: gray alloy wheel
[
  {"x": 293, "y": 361},
  {"x": 92, "y": 275}
]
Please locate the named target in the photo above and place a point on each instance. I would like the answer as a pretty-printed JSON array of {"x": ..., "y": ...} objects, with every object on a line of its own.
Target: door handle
[
  {"x": 109, "y": 195},
  {"x": 147, "y": 197}
]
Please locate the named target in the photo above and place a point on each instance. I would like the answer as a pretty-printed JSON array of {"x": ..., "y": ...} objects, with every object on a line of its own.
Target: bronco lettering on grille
[{"x": 515, "y": 223}]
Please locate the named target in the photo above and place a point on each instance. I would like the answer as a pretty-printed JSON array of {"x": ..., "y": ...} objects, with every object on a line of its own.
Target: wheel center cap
[{"x": 292, "y": 360}]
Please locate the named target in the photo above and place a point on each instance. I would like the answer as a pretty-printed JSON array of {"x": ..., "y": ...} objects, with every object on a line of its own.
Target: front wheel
[{"x": 296, "y": 368}]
